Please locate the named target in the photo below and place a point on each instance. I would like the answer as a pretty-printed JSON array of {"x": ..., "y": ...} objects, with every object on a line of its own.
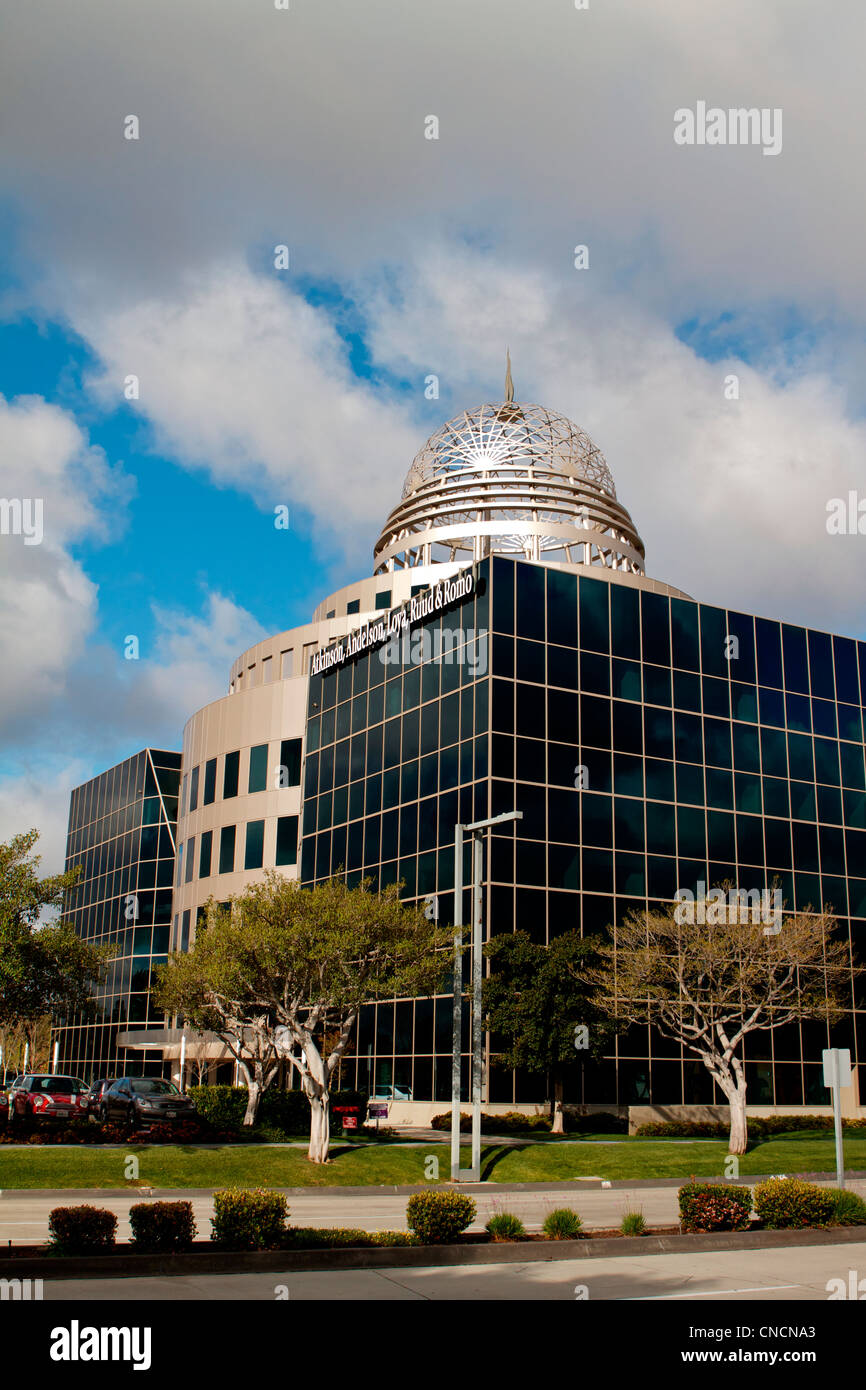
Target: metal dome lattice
[{"x": 510, "y": 478}]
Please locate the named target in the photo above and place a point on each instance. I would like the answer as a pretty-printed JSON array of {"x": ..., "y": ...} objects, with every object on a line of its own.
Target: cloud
[
  {"x": 244, "y": 379},
  {"x": 47, "y": 602},
  {"x": 729, "y": 495},
  {"x": 307, "y": 126}
]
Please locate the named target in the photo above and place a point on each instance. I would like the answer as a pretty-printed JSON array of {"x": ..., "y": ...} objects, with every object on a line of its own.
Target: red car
[{"x": 44, "y": 1097}]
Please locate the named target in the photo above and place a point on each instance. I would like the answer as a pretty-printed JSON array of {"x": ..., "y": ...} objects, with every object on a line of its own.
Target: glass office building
[
  {"x": 122, "y": 834},
  {"x": 652, "y": 743}
]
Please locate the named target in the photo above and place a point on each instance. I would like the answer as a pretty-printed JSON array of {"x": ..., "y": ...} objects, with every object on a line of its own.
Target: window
[
  {"x": 193, "y": 790},
  {"x": 190, "y": 859},
  {"x": 251, "y": 675},
  {"x": 290, "y": 762},
  {"x": 332, "y": 613},
  {"x": 353, "y": 606},
  {"x": 209, "y": 782},
  {"x": 205, "y": 854},
  {"x": 254, "y": 851},
  {"x": 227, "y": 849},
  {"x": 383, "y": 599},
  {"x": 287, "y": 840},
  {"x": 184, "y": 931},
  {"x": 287, "y": 662},
  {"x": 258, "y": 778},
  {"x": 267, "y": 669},
  {"x": 230, "y": 774}
]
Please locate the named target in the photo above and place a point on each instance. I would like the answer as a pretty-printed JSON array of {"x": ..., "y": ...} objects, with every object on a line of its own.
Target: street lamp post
[{"x": 476, "y": 830}]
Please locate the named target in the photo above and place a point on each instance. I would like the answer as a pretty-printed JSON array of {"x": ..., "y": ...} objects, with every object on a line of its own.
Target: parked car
[
  {"x": 41, "y": 1096},
  {"x": 97, "y": 1090},
  {"x": 142, "y": 1100}
]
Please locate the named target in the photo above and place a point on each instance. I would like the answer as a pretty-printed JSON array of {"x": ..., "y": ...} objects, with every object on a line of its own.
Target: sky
[{"x": 259, "y": 384}]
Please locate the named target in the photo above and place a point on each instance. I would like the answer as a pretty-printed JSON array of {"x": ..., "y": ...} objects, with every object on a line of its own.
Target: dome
[{"x": 514, "y": 479}]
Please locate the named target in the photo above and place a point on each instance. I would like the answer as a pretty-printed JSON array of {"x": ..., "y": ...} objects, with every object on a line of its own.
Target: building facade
[
  {"x": 510, "y": 652},
  {"x": 122, "y": 837}
]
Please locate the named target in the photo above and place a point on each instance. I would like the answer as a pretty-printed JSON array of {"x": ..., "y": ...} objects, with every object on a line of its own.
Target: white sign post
[{"x": 837, "y": 1073}]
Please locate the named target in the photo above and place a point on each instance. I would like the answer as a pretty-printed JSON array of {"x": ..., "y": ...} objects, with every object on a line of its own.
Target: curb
[{"x": 371, "y": 1257}]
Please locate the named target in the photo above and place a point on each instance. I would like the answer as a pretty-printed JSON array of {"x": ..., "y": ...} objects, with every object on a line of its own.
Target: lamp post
[{"x": 476, "y": 830}]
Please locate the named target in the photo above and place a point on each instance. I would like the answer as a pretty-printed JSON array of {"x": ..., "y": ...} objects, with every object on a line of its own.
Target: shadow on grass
[{"x": 491, "y": 1157}]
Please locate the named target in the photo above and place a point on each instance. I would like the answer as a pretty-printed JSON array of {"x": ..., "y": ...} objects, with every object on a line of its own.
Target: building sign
[{"x": 399, "y": 620}]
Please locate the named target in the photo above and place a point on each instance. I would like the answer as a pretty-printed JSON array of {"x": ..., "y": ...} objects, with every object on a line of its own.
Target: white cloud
[
  {"x": 47, "y": 602},
  {"x": 244, "y": 379}
]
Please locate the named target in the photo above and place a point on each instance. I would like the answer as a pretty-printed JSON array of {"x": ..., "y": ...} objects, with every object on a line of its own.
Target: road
[
  {"x": 789, "y": 1275},
  {"x": 24, "y": 1215}
]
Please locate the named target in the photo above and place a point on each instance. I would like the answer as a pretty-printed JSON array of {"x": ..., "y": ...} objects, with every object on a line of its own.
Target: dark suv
[
  {"x": 94, "y": 1096},
  {"x": 39, "y": 1096},
  {"x": 143, "y": 1100}
]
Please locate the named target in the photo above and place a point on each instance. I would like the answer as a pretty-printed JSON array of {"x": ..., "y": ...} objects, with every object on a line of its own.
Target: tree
[
  {"x": 709, "y": 985},
  {"x": 284, "y": 970},
  {"x": 44, "y": 968},
  {"x": 539, "y": 1003}
]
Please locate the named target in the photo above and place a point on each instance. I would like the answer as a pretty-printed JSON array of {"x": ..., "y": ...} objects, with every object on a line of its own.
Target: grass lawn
[{"x": 252, "y": 1165}]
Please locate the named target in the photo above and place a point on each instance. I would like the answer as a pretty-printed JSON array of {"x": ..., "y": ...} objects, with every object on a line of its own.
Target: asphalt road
[
  {"x": 792, "y": 1274},
  {"x": 24, "y": 1215}
]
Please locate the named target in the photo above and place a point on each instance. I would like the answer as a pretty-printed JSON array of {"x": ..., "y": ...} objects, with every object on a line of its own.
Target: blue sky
[{"x": 409, "y": 257}]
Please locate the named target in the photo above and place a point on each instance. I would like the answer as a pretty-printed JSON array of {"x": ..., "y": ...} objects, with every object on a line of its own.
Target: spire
[{"x": 509, "y": 384}]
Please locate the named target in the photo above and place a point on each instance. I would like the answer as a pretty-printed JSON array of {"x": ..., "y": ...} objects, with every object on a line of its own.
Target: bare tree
[{"x": 709, "y": 984}]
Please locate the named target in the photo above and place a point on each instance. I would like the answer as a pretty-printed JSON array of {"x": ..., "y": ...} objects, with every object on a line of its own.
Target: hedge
[
  {"x": 82, "y": 1230},
  {"x": 159, "y": 1226},
  {"x": 251, "y": 1218},
  {"x": 437, "y": 1218},
  {"x": 783, "y": 1203}
]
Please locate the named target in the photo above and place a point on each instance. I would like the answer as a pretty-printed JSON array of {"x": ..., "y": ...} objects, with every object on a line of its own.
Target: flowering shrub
[{"x": 706, "y": 1206}]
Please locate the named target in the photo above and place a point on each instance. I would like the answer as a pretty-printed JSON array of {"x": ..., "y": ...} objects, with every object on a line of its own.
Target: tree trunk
[
  {"x": 316, "y": 1088},
  {"x": 254, "y": 1095},
  {"x": 558, "y": 1125},
  {"x": 736, "y": 1097}
]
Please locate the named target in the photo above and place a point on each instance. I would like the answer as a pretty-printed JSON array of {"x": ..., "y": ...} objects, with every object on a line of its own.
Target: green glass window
[
  {"x": 193, "y": 790},
  {"x": 227, "y": 849},
  {"x": 258, "y": 779},
  {"x": 594, "y": 626},
  {"x": 255, "y": 844},
  {"x": 290, "y": 762},
  {"x": 230, "y": 774},
  {"x": 205, "y": 854},
  {"x": 209, "y": 782}
]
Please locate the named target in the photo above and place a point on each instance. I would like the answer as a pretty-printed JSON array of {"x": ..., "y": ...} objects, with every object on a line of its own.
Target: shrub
[
  {"x": 512, "y": 1122},
  {"x": 633, "y": 1224},
  {"x": 562, "y": 1224},
  {"x": 250, "y": 1218},
  {"x": 158, "y": 1226},
  {"x": 437, "y": 1218},
  {"x": 505, "y": 1226},
  {"x": 710, "y": 1206},
  {"x": 82, "y": 1230},
  {"x": 221, "y": 1106},
  {"x": 785, "y": 1202},
  {"x": 848, "y": 1208},
  {"x": 760, "y": 1127},
  {"x": 340, "y": 1237}
]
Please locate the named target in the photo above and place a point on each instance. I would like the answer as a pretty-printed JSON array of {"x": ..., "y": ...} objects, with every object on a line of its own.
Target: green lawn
[{"x": 186, "y": 1166}]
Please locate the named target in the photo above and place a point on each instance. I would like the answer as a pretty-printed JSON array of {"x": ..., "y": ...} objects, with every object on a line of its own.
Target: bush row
[
  {"x": 512, "y": 1122},
  {"x": 759, "y": 1128},
  {"x": 779, "y": 1204},
  {"x": 255, "y": 1219}
]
